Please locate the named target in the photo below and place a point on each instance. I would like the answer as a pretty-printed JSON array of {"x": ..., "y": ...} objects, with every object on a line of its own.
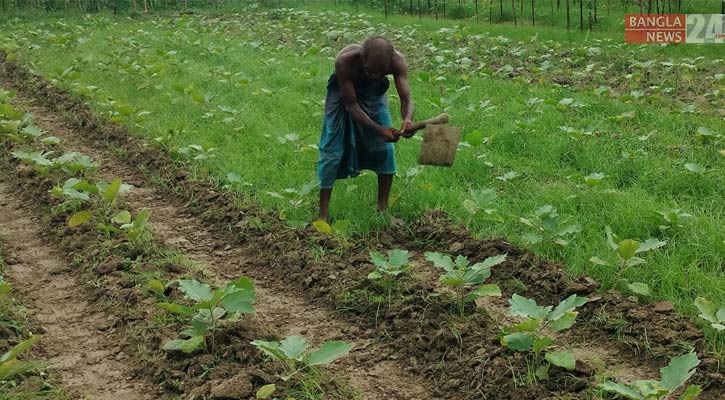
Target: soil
[
  {"x": 76, "y": 338},
  {"x": 416, "y": 339}
]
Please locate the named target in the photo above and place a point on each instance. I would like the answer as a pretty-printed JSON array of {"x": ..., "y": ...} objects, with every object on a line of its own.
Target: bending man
[{"x": 357, "y": 132}]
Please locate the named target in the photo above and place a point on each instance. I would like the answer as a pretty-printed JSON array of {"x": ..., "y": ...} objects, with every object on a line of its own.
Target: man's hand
[
  {"x": 406, "y": 125},
  {"x": 389, "y": 134}
]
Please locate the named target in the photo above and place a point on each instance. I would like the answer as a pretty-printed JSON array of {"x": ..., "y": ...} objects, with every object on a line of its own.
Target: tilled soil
[
  {"x": 77, "y": 339},
  {"x": 460, "y": 358}
]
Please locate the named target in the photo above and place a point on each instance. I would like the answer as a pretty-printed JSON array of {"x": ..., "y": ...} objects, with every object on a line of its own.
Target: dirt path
[
  {"x": 371, "y": 369},
  {"x": 75, "y": 336}
]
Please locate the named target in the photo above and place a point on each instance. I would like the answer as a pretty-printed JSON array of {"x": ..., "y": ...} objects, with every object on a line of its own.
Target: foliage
[
  {"x": 626, "y": 251},
  {"x": 9, "y": 365},
  {"x": 530, "y": 334},
  {"x": 461, "y": 275},
  {"x": 711, "y": 313},
  {"x": 550, "y": 227},
  {"x": 294, "y": 354},
  {"x": 673, "y": 376},
  {"x": 211, "y": 308}
]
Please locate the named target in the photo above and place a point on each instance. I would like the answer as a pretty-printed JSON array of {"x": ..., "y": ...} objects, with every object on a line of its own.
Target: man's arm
[
  {"x": 407, "y": 108},
  {"x": 349, "y": 98}
]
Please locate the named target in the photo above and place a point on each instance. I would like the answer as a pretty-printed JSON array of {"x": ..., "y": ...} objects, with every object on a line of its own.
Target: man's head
[{"x": 377, "y": 54}]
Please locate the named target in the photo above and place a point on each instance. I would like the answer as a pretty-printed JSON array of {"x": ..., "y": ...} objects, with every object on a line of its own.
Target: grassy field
[{"x": 606, "y": 133}]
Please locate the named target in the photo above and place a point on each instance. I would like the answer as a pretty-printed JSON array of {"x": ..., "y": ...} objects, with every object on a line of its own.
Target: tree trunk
[
  {"x": 568, "y": 16},
  {"x": 513, "y": 6},
  {"x": 411, "y": 8},
  {"x": 436, "y": 10},
  {"x": 420, "y": 11},
  {"x": 581, "y": 15},
  {"x": 501, "y": 2},
  {"x": 476, "y": 2},
  {"x": 533, "y": 14}
]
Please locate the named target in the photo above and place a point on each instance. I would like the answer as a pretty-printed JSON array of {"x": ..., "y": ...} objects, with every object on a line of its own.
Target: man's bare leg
[
  {"x": 385, "y": 182},
  {"x": 325, "y": 195}
]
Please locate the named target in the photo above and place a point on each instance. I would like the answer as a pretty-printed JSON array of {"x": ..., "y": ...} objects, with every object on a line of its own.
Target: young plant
[
  {"x": 710, "y": 313},
  {"x": 626, "y": 251},
  {"x": 294, "y": 354},
  {"x": 295, "y": 198},
  {"x": 670, "y": 219},
  {"x": 9, "y": 365},
  {"x": 550, "y": 227},
  {"x": 481, "y": 201},
  {"x": 211, "y": 309},
  {"x": 461, "y": 275},
  {"x": 673, "y": 376},
  {"x": 387, "y": 269},
  {"x": 531, "y": 334}
]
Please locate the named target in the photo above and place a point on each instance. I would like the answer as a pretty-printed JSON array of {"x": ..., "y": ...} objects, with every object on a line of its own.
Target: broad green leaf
[
  {"x": 523, "y": 307},
  {"x": 19, "y": 348},
  {"x": 186, "y": 346},
  {"x": 329, "y": 352},
  {"x": 474, "y": 138},
  {"x": 707, "y": 309},
  {"x": 79, "y": 218},
  {"x": 322, "y": 227},
  {"x": 112, "y": 190},
  {"x": 622, "y": 389},
  {"x": 470, "y": 206},
  {"x": 243, "y": 283},
  {"x": 565, "y": 321},
  {"x": 679, "y": 370},
  {"x": 4, "y": 288},
  {"x": 634, "y": 261},
  {"x": 341, "y": 225},
  {"x": 270, "y": 348},
  {"x": 440, "y": 260},
  {"x": 195, "y": 290},
  {"x": 121, "y": 217},
  {"x": 530, "y": 325},
  {"x": 610, "y": 238},
  {"x": 398, "y": 257},
  {"x": 566, "y": 305},
  {"x": 532, "y": 238},
  {"x": 293, "y": 347},
  {"x": 650, "y": 389},
  {"x": 518, "y": 341},
  {"x": 486, "y": 290},
  {"x": 239, "y": 301},
  {"x": 378, "y": 259},
  {"x": 691, "y": 392},
  {"x": 561, "y": 359},
  {"x": 374, "y": 275},
  {"x": 598, "y": 261},
  {"x": 234, "y": 177},
  {"x": 177, "y": 309},
  {"x": 541, "y": 344},
  {"x": 265, "y": 391},
  {"x": 627, "y": 248},
  {"x": 650, "y": 244},
  {"x": 155, "y": 286},
  {"x": 639, "y": 288},
  {"x": 490, "y": 262}
]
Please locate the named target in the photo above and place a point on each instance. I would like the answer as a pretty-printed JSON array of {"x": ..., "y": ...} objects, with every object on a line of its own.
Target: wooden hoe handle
[{"x": 440, "y": 119}]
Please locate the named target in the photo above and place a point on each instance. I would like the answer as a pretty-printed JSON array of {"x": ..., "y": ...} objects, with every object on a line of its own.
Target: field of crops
[{"x": 159, "y": 173}]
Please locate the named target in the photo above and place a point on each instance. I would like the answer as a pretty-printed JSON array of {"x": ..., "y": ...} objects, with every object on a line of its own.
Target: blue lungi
[{"x": 346, "y": 147}]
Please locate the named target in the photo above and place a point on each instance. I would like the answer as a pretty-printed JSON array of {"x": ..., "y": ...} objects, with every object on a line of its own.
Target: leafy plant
[
  {"x": 670, "y": 219},
  {"x": 626, "y": 251},
  {"x": 212, "y": 307},
  {"x": 481, "y": 201},
  {"x": 673, "y": 376},
  {"x": 294, "y": 354},
  {"x": 710, "y": 313},
  {"x": 530, "y": 335},
  {"x": 461, "y": 275},
  {"x": 198, "y": 152},
  {"x": 549, "y": 226},
  {"x": 9, "y": 365}
]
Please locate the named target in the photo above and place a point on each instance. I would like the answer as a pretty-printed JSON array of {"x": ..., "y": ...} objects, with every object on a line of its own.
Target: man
[{"x": 356, "y": 131}]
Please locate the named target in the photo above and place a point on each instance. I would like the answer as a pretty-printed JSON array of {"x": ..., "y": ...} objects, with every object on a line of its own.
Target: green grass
[{"x": 287, "y": 85}]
